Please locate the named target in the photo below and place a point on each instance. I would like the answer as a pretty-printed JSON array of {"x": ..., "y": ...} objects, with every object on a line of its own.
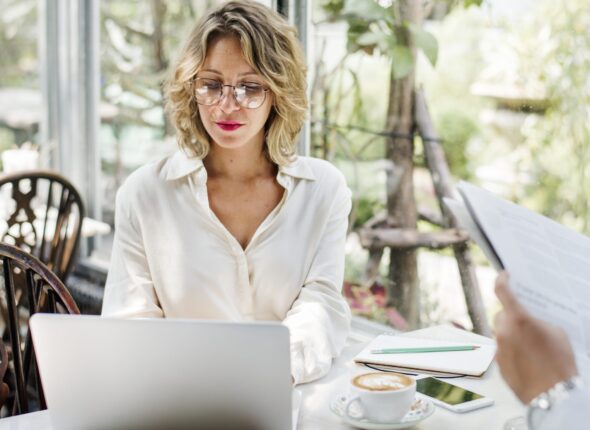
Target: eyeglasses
[{"x": 248, "y": 95}]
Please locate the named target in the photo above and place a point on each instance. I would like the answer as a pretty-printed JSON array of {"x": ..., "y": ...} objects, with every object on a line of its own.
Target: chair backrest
[
  {"x": 4, "y": 390},
  {"x": 43, "y": 292},
  {"x": 42, "y": 212}
]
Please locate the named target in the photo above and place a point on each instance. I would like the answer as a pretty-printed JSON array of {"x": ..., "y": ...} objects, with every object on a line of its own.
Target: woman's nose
[{"x": 228, "y": 102}]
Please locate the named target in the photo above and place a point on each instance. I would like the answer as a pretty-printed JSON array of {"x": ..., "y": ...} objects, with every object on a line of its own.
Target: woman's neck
[{"x": 238, "y": 164}]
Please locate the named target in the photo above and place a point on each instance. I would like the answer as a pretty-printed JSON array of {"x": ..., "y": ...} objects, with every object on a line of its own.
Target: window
[
  {"x": 20, "y": 98},
  {"x": 138, "y": 42}
]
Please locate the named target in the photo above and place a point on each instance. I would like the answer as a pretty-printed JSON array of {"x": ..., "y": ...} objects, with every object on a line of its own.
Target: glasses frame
[{"x": 234, "y": 92}]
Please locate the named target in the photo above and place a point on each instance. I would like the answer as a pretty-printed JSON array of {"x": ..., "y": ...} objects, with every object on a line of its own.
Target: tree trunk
[
  {"x": 443, "y": 184},
  {"x": 401, "y": 205}
]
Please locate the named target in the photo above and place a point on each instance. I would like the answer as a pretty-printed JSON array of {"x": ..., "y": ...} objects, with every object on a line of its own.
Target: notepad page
[
  {"x": 449, "y": 333},
  {"x": 473, "y": 363}
]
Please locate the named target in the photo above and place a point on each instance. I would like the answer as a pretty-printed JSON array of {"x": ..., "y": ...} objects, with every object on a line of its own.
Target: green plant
[
  {"x": 373, "y": 28},
  {"x": 456, "y": 128},
  {"x": 553, "y": 52},
  {"x": 366, "y": 208}
]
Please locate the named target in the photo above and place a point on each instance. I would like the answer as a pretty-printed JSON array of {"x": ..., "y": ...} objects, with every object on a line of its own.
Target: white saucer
[{"x": 421, "y": 409}]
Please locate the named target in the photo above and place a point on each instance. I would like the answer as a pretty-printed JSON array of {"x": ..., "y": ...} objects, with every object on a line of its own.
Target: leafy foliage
[
  {"x": 456, "y": 129},
  {"x": 427, "y": 42},
  {"x": 377, "y": 29},
  {"x": 549, "y": 56},
  {"x": 18, "y": 39},
  {"x": 367, "y": 206}
]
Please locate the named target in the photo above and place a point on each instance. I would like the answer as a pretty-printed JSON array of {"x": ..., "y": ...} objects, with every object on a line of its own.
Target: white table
[{"x": 315, "y": 413}]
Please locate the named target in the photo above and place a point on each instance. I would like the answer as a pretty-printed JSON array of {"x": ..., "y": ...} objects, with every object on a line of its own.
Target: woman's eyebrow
[
  {"x": 217, "y": 72},
  {"x": 252, "y": 73},
  {"x": 211, "y": 71}
]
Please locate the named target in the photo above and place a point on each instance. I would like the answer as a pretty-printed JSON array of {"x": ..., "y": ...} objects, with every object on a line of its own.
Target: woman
[{"x": 235, "y": 226}]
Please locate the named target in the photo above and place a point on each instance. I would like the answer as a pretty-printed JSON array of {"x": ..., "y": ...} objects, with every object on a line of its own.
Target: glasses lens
[
  {"x": 250, "y": 96},
  {"x": 207, "y": 91}
]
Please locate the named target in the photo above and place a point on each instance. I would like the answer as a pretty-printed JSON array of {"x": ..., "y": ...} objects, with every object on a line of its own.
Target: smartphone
[{"x": 451, "y": 396}]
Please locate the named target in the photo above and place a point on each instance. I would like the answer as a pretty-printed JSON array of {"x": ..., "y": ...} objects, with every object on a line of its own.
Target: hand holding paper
[
  {"x": 549, "y": 264},
  {"x": 522, "y": 341}
]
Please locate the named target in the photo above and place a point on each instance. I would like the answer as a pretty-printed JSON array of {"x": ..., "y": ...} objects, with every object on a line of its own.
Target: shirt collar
[
  {"x": 180, "y": 165},
  {"x": 298, "y": 168}
]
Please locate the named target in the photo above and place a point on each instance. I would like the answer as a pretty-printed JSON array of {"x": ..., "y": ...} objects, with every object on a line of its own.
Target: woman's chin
[
  {"x": 229, "y": 142},
  {"x": 235, "y": 139}
]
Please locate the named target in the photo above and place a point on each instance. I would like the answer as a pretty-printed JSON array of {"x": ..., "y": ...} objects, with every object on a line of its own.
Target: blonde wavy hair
[{"x": 271, "y": 48}]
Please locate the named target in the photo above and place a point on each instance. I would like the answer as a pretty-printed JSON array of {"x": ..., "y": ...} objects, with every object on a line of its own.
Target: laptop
[{"x": 153, "y": 374}]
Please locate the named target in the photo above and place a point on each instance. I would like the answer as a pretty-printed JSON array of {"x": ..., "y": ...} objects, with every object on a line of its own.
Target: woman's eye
[
  {"x": 212, "y": 85},
  {"x": 251, "y": 87}
]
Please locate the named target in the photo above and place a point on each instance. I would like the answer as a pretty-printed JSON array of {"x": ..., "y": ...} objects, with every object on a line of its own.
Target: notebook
[{"x": 471, "y": 363}]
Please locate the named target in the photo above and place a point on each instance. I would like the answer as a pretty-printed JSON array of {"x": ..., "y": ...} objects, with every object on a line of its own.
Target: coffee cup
[{"x": 383, "y": 397}]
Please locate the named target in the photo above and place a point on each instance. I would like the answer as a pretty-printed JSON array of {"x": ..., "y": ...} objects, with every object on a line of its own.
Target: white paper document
[{"x": 549, "y": 264}]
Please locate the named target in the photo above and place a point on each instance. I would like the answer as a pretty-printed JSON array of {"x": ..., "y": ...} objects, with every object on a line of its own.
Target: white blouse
[{"x": 172, "y": 257}]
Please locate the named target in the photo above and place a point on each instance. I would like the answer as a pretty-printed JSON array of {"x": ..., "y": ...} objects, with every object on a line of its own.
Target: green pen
[{"x": 424, "y": 349}]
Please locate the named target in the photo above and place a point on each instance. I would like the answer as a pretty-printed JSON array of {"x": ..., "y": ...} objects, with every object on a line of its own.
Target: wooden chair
[
  {"x": 4, "y": 390},
  {"x": 43, "y": 215},
  {"x": 44, "y": 292}
]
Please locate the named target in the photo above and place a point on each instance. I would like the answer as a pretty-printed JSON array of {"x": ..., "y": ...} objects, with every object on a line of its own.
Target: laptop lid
[{"x": 103, "y": 373}]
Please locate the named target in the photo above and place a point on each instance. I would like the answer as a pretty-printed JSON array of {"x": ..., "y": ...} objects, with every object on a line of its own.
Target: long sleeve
[
  {"x": 571, "y": 414},
  {"x": 319, "y": 319},
  {"x": 129, "y": 290}
]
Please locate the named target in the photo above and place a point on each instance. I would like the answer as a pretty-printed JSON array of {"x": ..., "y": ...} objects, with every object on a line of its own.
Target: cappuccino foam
[{"x": 382, "y": 381}]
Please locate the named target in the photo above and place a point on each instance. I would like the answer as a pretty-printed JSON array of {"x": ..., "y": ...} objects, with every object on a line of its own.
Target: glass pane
[
  {"x": 20, "y": 98},
  {"x": 507, "y": 88},
  {"x": 139, "y": 41}
]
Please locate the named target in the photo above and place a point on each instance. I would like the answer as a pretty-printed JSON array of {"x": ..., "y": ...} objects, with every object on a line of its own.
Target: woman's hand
[{"x": 532, "y": 355}]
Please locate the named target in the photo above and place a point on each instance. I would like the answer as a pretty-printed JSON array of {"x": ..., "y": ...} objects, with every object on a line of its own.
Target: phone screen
[{"x": 445, "y": 392}]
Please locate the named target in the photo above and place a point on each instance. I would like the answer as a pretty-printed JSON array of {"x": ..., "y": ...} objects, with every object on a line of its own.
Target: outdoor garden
[{"x": 505, "y": 89}]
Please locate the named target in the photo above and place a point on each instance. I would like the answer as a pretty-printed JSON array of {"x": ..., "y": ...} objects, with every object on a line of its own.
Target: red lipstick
[{"x": 228, "y": 125}]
